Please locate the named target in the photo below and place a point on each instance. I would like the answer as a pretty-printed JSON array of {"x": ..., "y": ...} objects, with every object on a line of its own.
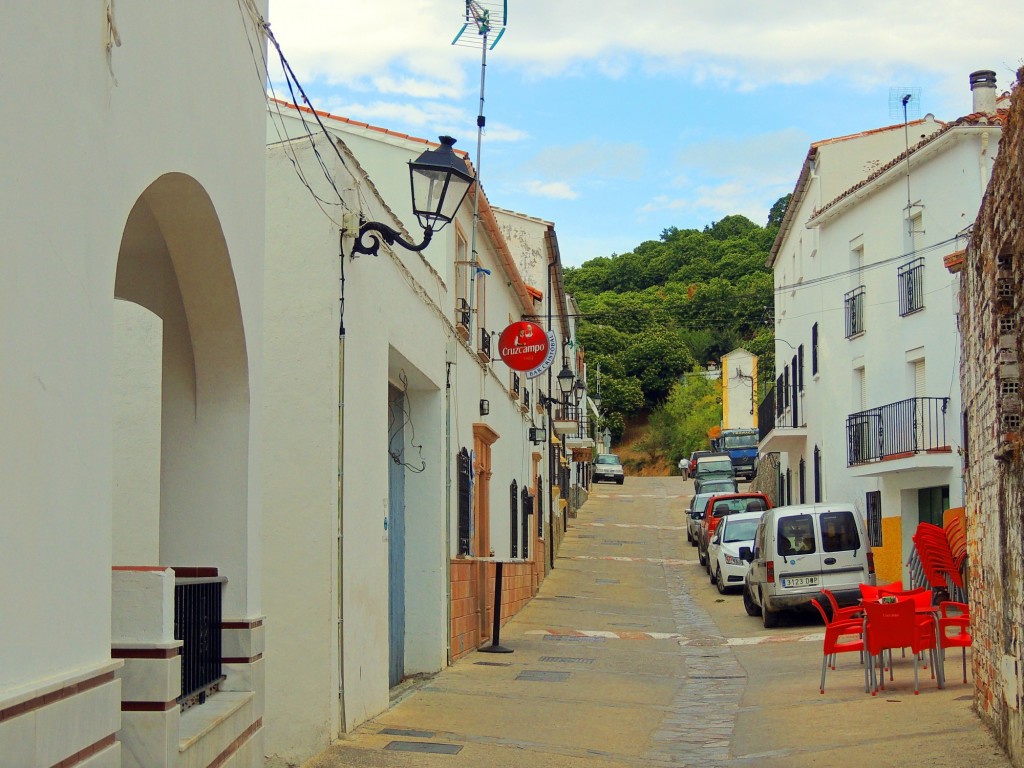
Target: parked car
[
  {"x": 719, "y": 506},
  {"x": 694, "y": 516},
  {"x": 715, "y": 466},
  {"x": 608, "y": 467},
  {"x": 733, "y": 535},
  {"x": 800, "y": 549},
  {"x": 716, "y": 485},
  {"x": 693, "y": 460}
]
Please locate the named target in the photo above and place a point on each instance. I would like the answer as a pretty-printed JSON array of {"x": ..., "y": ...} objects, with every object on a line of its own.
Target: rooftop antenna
[
  {"x": 905, "y": 102},
  {"x": 482, "y": 18}
]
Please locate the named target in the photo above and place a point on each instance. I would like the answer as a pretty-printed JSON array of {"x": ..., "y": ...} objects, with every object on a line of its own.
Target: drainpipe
[
  {"x": 341, "y": 499},
  {"x": 448, "y": 502}
]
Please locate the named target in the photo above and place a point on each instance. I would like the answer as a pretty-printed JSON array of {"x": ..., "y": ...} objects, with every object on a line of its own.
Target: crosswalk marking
[{"x": 815, "y": 637}]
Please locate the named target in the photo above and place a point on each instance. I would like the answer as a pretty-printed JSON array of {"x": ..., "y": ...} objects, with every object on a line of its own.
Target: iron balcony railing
[
  {"x": 485, "y": 345},
  {"x": 462, "y": 313},
  {"x": 910, "y": 426},
  {"x": 910, "y": 278},
  {"x": 515, "y": 384},
  {"x": 853, "y": 303},
  {"x": 197, "y": 623},
  {"x": 775, "y": 413}
]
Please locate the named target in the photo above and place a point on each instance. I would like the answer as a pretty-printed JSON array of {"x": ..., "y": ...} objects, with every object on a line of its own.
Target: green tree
[{"x": 682, "y": 422}]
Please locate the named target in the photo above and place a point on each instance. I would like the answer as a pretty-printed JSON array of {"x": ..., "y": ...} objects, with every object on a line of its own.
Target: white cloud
[
  {"x": 556, "y": 189},
  {"x": 603, "y": 159}
]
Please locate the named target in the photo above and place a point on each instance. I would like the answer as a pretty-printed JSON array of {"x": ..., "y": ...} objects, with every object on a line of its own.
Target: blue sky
[{"x": 616, "y": 120}]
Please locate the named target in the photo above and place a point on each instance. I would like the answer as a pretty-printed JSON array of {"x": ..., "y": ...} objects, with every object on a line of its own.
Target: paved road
[{"x": 629, "y": 657}]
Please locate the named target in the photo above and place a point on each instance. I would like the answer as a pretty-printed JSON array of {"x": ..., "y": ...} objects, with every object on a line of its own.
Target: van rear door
[{"x": 843, "y": 543}]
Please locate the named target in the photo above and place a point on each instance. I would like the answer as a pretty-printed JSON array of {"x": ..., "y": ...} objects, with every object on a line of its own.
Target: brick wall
[{"x": 991, "y": 300}]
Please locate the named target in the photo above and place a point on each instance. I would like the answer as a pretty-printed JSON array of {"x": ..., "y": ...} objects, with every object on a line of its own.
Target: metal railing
[
  {"x": 462, "y": 313},
  {"x": 905, "y": 427},
  {"x": 197, "y": 623},
  {"x": 911, "y": 286},
  {"x": 515, "y": 384},
  {"x": 775, "y": 414},
  {"x": 853, "y": 304},
  {"x": 485, "y": 344}
]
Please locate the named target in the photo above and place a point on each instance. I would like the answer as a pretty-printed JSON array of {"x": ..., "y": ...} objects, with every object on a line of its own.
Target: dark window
[
  {"x": 540, "y": 506},
  {"x": 800, "y": 481},
  {"x": 910, "y": 278},
  {"x": 814, "y": 349},
  {"x": 465, "y": 500},
  {"x": 800, "y": 367},
  {"x": 817, "y": 475},
  {"x": 796, "y": 535},
  {"x": 513, "y": 515},
  {"x": 527, "y": 511},
  {"x": 838, "y": 532},
  {"x": 873, "y": 501},
  {"x": 854, "y": 309}
]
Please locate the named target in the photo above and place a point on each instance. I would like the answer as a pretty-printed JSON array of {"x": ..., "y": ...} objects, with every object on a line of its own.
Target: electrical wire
[{"x": 402, "y": 402}]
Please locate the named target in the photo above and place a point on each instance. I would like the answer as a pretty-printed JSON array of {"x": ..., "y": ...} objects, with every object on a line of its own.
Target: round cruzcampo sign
[{"x": 523, "y": 346}]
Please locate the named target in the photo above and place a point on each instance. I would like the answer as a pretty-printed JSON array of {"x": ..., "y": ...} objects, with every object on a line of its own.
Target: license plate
[{"x": 800, "y": 581}]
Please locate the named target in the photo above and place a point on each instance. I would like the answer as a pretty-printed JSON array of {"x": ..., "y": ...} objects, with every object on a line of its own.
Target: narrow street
[{"x": 629, "y": 657}]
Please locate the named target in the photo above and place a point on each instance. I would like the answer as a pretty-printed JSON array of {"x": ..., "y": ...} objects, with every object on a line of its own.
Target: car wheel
[
  {"x": 689, "y": 536},
  {"x": 621, "y": 480},
  {"x": 693, "y": 542},
  {"x": 749, "y": 605},
  {"x": 711, "y": 575},
  {"x": 769, "y": 619},
  {"x": 719, "y": 581},
  {"x": 701, "y": 557}
]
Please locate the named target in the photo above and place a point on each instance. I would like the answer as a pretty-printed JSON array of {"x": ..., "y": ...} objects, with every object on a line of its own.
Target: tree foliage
[{"x": 668, "y": 308}]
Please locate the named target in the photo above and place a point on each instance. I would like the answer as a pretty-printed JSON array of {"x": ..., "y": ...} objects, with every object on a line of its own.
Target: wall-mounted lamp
[
  {"x": 538, "y": 435},
  {"x": 485, "y": 407},
  {"x": 565, "y": 380},
  {"x": 440, "y": 180},
  {"x": 578, "y": 391}
]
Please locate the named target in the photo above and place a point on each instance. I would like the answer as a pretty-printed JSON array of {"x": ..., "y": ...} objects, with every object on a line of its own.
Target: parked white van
[{"x": 800, "y": 550}]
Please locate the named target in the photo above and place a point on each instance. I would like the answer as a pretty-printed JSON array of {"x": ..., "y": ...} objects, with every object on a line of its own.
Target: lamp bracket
[{"x": 375, "y": 232}]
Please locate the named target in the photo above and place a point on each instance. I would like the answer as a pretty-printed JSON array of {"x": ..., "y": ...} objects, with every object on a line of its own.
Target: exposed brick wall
[{"x": 991, "y": 301}]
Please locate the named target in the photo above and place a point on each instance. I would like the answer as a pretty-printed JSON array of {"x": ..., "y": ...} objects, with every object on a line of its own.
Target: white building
[
  {"x": 398, "y": 451},
  {"x": 866, "y": 404},
  {"x": 739, "y": 390},
  {"x": 128, "y": 216}
]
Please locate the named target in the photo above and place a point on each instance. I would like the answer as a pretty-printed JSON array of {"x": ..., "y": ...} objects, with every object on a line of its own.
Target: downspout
[
  {"x": 448, "y": 506},
  {"x": 551, "y": 455},
  {"x": 341, "y": 501}
]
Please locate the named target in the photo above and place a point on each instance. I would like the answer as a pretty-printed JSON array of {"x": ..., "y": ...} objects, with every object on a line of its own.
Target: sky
[{"x": 617, "y": 120}]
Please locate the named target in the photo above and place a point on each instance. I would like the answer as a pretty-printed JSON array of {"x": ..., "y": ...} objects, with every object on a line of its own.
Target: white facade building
[
  {"x": 128, "y": 219},
  {"x": 376, "y": 569},
  {"x": 739, "y": 390},
  {"x": 867, "y": 403}
]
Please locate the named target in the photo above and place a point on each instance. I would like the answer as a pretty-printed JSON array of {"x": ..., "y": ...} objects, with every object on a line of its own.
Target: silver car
[
  {"x": 608, "y": 467},
  {"x": 695, "y": 515}
]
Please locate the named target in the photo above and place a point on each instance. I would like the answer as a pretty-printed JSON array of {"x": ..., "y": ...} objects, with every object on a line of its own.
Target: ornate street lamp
[
  {"x": 565, "y": 381},
  {"x": 440, "y": 180}
]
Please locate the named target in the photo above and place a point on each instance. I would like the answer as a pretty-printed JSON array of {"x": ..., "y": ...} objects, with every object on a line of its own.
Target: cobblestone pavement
[{"x": 628, "y": 657}]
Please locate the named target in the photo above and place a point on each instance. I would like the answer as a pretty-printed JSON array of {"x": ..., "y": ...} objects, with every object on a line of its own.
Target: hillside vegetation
[{"x": 654, "y": 317}]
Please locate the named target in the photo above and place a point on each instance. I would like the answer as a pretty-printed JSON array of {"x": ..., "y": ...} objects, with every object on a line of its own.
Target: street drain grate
[
  {"x": 540, "y": 676},
  {"x": 492, "y": 663},
  {"x": 566, "y": 660},
  {"x": 408, "y": 733},
  {"x": 424, "y": 746},
  {"x": 606, "y": 581}
]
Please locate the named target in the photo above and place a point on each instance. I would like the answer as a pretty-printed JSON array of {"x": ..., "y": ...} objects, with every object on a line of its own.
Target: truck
[{"x": 741, "y": 445}]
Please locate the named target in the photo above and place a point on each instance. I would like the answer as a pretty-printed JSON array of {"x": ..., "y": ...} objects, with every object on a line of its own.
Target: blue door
[{"x": 396, "y": 534}]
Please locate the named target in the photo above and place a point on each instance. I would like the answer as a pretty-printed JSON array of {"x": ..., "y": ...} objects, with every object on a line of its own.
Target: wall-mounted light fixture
[
  {"x": 485, "y": 407},
  {"x": 538, "y": 435},
  {"x": 440, "y": 180}
]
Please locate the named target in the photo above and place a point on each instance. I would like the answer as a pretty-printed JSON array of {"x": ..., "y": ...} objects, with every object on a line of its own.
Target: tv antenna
[
  {"x": 905, "y": 103},
  {"x": 483, "y": 18}
]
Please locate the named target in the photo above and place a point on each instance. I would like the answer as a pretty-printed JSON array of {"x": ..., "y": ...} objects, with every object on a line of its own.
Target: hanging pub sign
[
  {"x": 523, "y": 346},
  {"x": 549, "y": 358}
]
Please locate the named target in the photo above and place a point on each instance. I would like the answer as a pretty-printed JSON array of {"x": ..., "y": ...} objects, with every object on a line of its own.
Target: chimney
[{"x": 983, "y": 88}]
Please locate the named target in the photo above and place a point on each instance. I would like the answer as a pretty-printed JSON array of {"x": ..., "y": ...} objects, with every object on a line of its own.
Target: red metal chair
[
  {"x": 842, "y": 636},
  {"x": 956, "y": 617}
]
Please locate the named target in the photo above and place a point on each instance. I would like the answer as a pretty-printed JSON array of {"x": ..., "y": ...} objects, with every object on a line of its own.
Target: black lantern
[
  {"x": 439, "y": 180},
  {"x": 578, "y": 391},
  {"x": 565, "y": 380}
]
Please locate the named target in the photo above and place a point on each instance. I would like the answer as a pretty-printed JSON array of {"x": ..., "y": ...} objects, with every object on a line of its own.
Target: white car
[
  {"x": 728, "y": 569},
  {"x": 694, "y": 515}
]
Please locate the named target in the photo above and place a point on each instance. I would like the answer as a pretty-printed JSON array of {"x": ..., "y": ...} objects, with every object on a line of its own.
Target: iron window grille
[
  {"x": 462, "y": 313},
  {"x": 911, "y": 287},
  {"x": 465, "y": 501},
  {"x": 485, "y": 345},
  {"x": 873, "y": 502},
  {"x": 515, "y": 385},
  {"x": 540, "y": 506},
  {"x": 197, "y": 623},
  {"x": 513, "y": 514},
  {"x": 814, "y": 349},
  {"x": 853, "y": 305},
  {"x": 817, "y": 475},
  {"x": 527, "y": 510}
]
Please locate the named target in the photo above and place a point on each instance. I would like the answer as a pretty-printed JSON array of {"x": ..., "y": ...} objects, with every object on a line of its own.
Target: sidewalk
[{"x": 628, "y": 657}]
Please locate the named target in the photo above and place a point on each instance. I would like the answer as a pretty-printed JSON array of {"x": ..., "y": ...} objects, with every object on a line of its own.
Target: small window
[
  {"x": 796, "y": 535},
  {"x": 839, "y": 532},
  {"x": 853, "y": 303},
  {"x": 1009, "y": 387},
  {"x": 910, "y": 278},
  {"x": 1007, "y": 324},
  {"x": 874, "y": 504},
  {"x": 814, "y": 349}
]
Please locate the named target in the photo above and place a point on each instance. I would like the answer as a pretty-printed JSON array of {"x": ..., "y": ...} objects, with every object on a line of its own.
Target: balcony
[
  {"x": 484, "y": 350},
  {"x": 853, "y": 307},
  {"x": 777, "y": 422},
  {"x": 901, "y": 430}
]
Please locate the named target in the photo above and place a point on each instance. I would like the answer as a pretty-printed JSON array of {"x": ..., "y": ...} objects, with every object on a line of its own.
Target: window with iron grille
[
  {"x": 1004, "y": 288},
  {"x": 540, "y": 506},
  {"x": 910, "y": 279},
  {"x": 465, "y": 502},
  {"x": 1007, "y": 324},
  {"x": 800, "y": 480},
  {"x": 800, "y": 368},
  {"x": 462, "y": 313},
  {"x": 1009, "y": 386},
  {"x": 513, "y": 515},
  {"x": 853, "y": 305},
  {"x": 814, "y": 350},
  {"x": 515, "y": 385},
  {"x": 484, "y": 352},
  {"x": 780, "y": 396},
  {"x": 817, "y": 475},
  {"x": 527, "y": 509},
  {"x": 873, "y": 500}
]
